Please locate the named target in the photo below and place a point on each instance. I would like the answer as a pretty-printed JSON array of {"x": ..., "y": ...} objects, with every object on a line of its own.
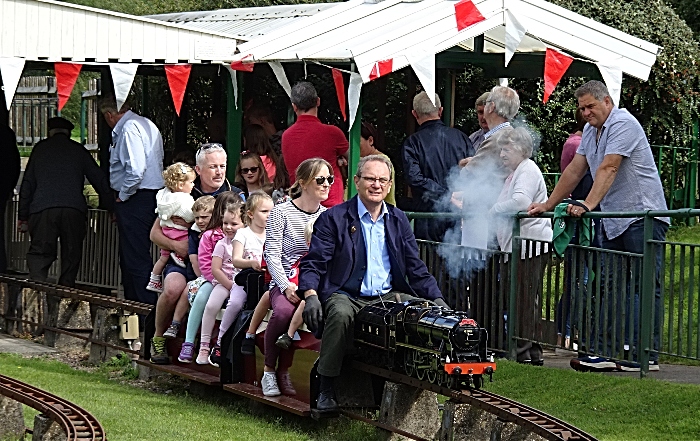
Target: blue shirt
[
  {"x": 377, "y": 278},
  {"x": 136, "y": 156},
  {"x": 637, "y": 186}
]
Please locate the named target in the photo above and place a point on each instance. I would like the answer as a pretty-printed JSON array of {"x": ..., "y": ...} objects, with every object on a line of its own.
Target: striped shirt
[{"x": 284, "y": 240}]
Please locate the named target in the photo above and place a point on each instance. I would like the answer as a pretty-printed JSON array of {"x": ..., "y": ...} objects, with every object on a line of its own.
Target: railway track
[
  {"x": 536, "y": 421},
  {"x": 79, "y": 294},
  {"x": 76, "y": 422}
]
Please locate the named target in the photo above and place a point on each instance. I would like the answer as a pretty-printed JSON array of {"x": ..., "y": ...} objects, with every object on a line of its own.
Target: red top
[
  {"x": 310, "y": 138},
  {"x": 569, "y": 150}
]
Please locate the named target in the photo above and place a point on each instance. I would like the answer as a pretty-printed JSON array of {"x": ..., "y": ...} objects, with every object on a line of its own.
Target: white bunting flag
[
  {"x": 11, "y": 71},
  {"x": 122, "y": 77},
  {"x": 354, "y": 89},
  {"x": 612, "y": 76},
  {"x": 423, "y": 63},
  {"x": 281, "y": 76},
  {"x": 515, "y": 31},
  {"x": 234, "y": 83}
]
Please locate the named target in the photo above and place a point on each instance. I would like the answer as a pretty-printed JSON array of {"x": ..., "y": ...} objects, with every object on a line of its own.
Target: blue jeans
[
  {"x": 622, "y": 291},
  {"x": 576, "y": 276}
]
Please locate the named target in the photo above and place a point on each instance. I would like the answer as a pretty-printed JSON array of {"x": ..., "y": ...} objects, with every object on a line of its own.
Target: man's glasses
[
  {"x": 381, "y": 181},
  {"x": 321, "y": 179},
  {"x": 245, "y": 171}
]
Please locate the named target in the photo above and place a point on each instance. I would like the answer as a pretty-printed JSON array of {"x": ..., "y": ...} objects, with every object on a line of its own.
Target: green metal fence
[{"x": 607, "y": 298}]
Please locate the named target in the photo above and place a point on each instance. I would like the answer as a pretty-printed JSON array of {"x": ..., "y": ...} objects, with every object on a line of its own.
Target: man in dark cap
[{"x": 51, "y": 201}]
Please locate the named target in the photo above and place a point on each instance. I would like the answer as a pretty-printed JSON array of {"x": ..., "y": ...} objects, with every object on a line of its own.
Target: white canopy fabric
[{"x": 366, "y": 33}]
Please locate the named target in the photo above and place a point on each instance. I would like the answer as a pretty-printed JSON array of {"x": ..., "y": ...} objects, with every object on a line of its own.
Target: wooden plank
[
  {"x": 183, "y": 371},
  {"x": 285, "y": 403}
]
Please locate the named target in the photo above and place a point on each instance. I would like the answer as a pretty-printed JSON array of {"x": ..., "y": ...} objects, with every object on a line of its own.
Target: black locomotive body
[{"x": 425, "y": 341}]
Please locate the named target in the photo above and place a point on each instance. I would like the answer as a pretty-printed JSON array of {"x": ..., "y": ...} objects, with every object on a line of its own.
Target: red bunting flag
[
  {"x": 340, "y": 90},
  {"x": 66, "y": 75},
  {"x": 555, "y": 65},
  {"x": 177, "y": 75},
  {"x": 242, "y": 65},
  {"x": 467, "y": 14},
  {"x": 381, "y": 68}
]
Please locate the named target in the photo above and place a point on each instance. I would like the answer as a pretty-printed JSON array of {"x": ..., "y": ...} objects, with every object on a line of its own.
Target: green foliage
[
  {"x": 688, "y": 11},
  {"x": 666, "y": 104}
]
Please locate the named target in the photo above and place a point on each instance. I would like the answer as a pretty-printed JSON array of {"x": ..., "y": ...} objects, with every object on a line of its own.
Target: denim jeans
[
  {"x": 621, "y": 291},
  {"x": 576, "y": 276}
]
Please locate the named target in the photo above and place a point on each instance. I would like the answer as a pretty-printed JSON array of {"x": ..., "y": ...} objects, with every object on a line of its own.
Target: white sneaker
[
  {"x": 269, "y": 385},
  {"x": 203, "y": 356},
  {"x": 178, "y": 260}
]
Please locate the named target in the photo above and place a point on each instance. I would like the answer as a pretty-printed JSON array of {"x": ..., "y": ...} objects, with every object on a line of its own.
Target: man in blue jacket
[{"x": 361, "y": 250}]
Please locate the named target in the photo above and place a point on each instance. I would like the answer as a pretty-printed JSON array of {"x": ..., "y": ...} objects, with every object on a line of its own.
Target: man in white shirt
[{"x": 135, "y": 174}]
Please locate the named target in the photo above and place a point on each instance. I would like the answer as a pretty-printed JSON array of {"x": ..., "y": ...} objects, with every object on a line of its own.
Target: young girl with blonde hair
[{"x": 173, "y": 201}]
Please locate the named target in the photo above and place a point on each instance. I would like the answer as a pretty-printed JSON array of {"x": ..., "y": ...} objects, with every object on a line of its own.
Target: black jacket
[
  {"x": 428, "y": 157},
  {"x": 55, "y": 177},
  {"x": 10, "y": 157}
]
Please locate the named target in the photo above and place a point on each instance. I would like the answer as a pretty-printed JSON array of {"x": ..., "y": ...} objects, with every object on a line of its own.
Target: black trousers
[
  {"x": 3, "y": 251},
  {"x": 46, "y": 228},
  {"x": 135, "y": 218}
]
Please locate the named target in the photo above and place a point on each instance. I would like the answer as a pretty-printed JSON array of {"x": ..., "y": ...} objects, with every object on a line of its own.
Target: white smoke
[{"x": 476, "y": 189}]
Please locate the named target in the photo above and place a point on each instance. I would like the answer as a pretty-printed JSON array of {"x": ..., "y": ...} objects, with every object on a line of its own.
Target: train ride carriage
[{"x": 416, "y": 338}]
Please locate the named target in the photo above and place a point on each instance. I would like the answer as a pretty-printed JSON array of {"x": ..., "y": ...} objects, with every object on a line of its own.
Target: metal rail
[
  {"x": 79, "y": 294},
  {"x": 538, "y": 422},
  {"x": 76, "y": 422}
]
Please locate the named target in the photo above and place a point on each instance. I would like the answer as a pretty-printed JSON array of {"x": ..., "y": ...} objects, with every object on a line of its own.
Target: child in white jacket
[{"x": 173, "y": 201}]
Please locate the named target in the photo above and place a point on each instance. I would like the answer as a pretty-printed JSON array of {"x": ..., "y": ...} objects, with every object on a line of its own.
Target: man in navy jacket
[{"x": 361, "y": 250}]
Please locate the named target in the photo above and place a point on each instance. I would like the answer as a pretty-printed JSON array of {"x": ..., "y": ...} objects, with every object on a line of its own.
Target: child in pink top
[
  {"x": 223, "y": 272},
  {"x": 207, "y": 242}
]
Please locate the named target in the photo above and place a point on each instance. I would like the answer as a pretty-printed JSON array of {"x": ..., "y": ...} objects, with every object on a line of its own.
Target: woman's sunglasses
[
  {"x": 245, "y": 171},
  {"x": 321, "y": 179}
]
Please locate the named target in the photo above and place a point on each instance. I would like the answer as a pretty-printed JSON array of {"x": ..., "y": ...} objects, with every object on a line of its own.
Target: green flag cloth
[{"x": 564, "y": 227}]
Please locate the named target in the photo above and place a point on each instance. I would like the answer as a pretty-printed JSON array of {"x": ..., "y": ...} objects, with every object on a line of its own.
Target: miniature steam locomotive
[{"x": 425, "y": 341}]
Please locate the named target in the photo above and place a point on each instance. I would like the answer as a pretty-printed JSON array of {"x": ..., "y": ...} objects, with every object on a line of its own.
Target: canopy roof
[
  {"x": 47, "y": 30},
  {"x": 366, "y": 33}
]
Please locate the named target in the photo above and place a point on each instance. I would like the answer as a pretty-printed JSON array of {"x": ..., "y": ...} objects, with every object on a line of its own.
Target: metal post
[
  {"x": 512, "y": 318},
  {"x": 693, "y": 167},
  {"x": 448, "y": 110},
  {"x": 83, "y": 118},
  {"x": 234, "y": 126},
  {"x": 647, "y": 297},
  {"x": 354, "y": 151}
]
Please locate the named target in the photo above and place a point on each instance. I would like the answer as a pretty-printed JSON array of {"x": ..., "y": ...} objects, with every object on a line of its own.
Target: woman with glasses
[
  {"x": 284, "y": 246},
  {"x": 250, "y": 174},
  {"x": 256, "y": 141}
]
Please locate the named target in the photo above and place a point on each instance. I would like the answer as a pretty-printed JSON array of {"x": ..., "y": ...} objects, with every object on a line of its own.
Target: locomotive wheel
[
  {"x": 452, "y": 382},
  {"x": 408, "y": 363},
  {"x": 432, "y": 376},
  {"x": 478, "y": 381},
  {"x": 420, "y": 373}
]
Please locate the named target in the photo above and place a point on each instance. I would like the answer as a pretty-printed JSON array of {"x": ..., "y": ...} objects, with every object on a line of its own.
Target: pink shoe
[{"x": 155, "y": 283}]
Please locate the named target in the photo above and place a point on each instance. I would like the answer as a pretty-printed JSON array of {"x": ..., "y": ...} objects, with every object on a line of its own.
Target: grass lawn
[{"x": 611, "y": 408}]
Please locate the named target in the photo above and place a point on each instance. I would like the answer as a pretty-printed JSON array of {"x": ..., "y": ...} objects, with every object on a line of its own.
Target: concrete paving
[
  {"x": 13, "y": 345},
  {"x": 560, "y": 359}
]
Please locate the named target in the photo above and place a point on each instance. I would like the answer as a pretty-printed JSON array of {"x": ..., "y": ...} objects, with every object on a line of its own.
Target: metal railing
[
  {"x": 503, "y": 293},
  {"x": 604, "y": 300},
  {"x": 100, "y": 263}
]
